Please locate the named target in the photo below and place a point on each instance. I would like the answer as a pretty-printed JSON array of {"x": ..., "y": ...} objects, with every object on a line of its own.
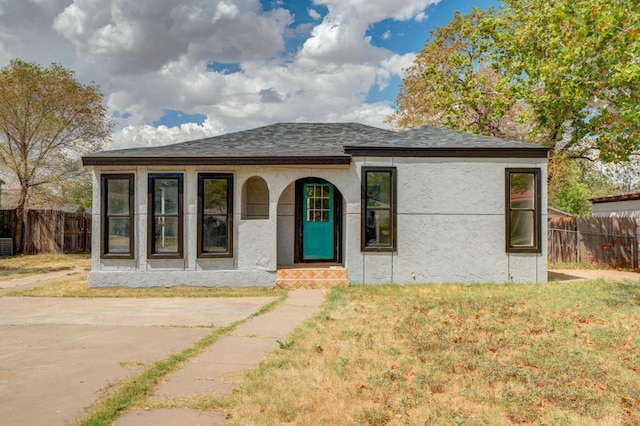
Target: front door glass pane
[{"x": 318, "y": 203}]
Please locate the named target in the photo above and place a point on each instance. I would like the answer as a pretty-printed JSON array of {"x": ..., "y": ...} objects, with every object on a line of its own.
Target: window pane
[
  {"x": 118, "y": 238},
  {"x": 214, "y": 234},
  {"x": 166, "y": 235},
  {"x": 522, "y": 229},
  {"x": 521, "y": 190},
  {"x": 378, "y": 227},
  {"x": 118, "y": 196},
  {"x": 166, "y": 196},
  {"x": 215, "y": 196},
  {"x": 378, "y": 189}
]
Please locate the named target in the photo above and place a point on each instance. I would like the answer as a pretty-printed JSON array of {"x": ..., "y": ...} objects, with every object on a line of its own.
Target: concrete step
[{"x": 301, "y": 276}]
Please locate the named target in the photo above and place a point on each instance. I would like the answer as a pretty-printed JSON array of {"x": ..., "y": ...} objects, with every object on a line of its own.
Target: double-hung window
[
  {"x": 165, "y": 232},
  {"x": 215, "y": 215},
  {"x": 378, "y": 209},
  {"x": 117, "y": 207},
  {"x": 523, "y": 214}
]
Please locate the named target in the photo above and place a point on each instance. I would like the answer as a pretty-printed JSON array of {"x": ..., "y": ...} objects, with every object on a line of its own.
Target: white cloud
[
  {"x": 148, "y": 34},
  {"x": 150, "y": 56},
  {"x": 372, "y": 11},
  {"x": 421, "y": 17},
  {"x": 146, "y": 135},
  {"x": 314, "y": 14},
  {"x": 386, "y": 35}
]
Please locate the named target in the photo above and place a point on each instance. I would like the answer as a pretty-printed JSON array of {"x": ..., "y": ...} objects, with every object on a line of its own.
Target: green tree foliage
[
  {"x": 566, "y": 71},
  {"x": 47, "y": 120},
  {"x": 568, "y": 191},
  {"x": 577, "y": 64},
  {"x": 452, "y": 83}
]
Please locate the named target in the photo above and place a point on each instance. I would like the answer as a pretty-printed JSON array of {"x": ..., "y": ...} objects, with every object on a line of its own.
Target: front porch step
[{"x": 296, "y": 276}]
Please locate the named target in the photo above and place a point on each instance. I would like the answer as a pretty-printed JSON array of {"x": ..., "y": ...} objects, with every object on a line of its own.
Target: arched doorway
[{"x": 318, "y": 221}]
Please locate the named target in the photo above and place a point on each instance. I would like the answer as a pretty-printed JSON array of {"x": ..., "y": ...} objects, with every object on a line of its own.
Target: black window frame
[
  {"x": 392, "y": 246},
  {"x": 104, "y": 216},
  {"x": 201, "y": 180},
  {"x": 537, "y": 212},
  {"x": 151, "y": 253}
]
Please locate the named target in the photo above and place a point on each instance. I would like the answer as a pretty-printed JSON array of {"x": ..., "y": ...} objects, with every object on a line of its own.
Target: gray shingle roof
[{"x": 313, "y": 143}]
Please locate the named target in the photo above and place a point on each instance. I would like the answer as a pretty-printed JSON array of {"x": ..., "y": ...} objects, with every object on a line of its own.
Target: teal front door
[{"x": 318, "y": 221}]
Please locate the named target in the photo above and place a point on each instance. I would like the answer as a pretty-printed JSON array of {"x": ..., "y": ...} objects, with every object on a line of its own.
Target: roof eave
[
  {"x": 475, "y": 152},
  {"x": 615, "y": 198},
  {"x": 214, "y": 161}
]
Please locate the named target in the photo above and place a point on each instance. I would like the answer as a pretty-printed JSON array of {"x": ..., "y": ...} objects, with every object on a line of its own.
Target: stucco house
[{"x": 336, "y": 202}]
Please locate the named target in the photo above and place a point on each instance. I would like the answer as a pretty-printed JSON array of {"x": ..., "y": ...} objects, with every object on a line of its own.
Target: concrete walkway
[{"x": 217, "y": 370}]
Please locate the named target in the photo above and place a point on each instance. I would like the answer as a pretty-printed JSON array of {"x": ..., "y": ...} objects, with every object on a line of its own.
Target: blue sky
[{"x": 175, "y": 70}]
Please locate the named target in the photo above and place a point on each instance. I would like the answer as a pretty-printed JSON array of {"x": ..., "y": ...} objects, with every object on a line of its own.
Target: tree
[
  {"x": 577, "y": 63},
  {"x": 452, "y": 83},
  {"x": 47, "y": 120},
  {"x": 570, "y": 69},
  {"x": 568, "y": 190}
]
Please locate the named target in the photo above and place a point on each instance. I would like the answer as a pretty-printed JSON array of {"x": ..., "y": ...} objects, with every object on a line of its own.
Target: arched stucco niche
[
  {"x": 255, "y": 199},
  {"x": 286, "y": 225}
]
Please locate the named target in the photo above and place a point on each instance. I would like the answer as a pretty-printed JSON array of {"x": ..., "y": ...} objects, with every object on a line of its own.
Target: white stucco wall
[{"x": 450, "y": 227}]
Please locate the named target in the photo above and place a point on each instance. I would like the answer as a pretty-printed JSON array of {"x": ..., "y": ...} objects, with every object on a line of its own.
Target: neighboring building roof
[
  {"x": 616, "y": 197},
  {"x": 316, "y": 143},
  {"x": 558, "y": 212}
]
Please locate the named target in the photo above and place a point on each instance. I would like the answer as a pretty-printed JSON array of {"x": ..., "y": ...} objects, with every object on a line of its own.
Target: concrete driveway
[{"x": 56, "y": 355}]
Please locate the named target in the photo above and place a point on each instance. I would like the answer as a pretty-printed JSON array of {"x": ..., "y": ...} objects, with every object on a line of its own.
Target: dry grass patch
[
  {"x": 80, "y": 288},
  {"x": 34, "y": 264},
  {"x": 560, "y": 353}
]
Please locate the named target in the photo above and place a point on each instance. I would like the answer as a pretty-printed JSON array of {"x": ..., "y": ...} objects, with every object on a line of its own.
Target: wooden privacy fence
[
  {"x": 50, "y": 231},
  {"x": 598, "y": 241}
]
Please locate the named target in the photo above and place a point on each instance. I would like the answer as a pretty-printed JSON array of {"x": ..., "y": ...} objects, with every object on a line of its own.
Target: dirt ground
[{"x": 591, "y": 274}]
